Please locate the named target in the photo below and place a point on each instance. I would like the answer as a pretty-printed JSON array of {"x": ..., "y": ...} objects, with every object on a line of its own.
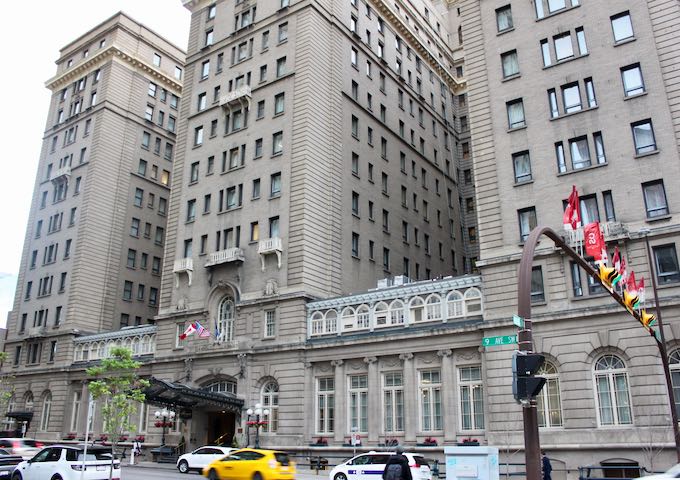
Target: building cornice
[
  {"x": 89, "y": 64},
  {"x": 194, "y": 5}
]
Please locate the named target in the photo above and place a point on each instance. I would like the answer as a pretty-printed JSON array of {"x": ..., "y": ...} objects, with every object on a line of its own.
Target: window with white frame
[
  {"x": 527, "y": 222},
  {"x": 521, "y": 163},
  {"x": 46, "y": 410},
  {"x": 643, "y": 136},
  {"x": 224, "y": 330},
  {"x": 549, "y": 7},
  {"x": 510, "y": 63},
  {"x": 393, "y": 402},
  {"x": 221, "y": 386},
  {"x": 548, "y": 401},
  {"x": 515, "y": 110},
  {"x": 76, "y": 400},
  {"x": 656, "y": 204},
  {"x": 270, "y": 401},
  {"x": 430, "y": 388},
  {"x": 470, "y": 398},
  {"x": 633, "y": 83},
  {"x": 613, "y": 396},
  {"x": 269, "y": 323},
  {"x": 622, "y": 27},
  {"x": 357, "y": 403},
  {"x": 325, "y": 405}
]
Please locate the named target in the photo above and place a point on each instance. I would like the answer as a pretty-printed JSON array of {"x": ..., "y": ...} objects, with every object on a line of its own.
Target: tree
[
  {"x": 6, "y": 384},
  {"x": 119, "y": 386}
]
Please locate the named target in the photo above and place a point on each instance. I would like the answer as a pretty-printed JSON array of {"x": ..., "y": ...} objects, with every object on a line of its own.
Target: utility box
[{"x": 471, "y": 463}]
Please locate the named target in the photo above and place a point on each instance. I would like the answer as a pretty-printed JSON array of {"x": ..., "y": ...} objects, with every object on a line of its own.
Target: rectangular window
[
  {"x": 576, "y": 285},
  {"x": 279, "y": 103},
  {"x": 471, "y": 398},
  {"x": 581, "y": 40},
  {"x": 622, "y": 27},
  {"x": 666, "y": 259},
  {"x": 580, "y": 153},
  {"x": 571, "y": 97},
  {"x": 633, "y": 83},
  {"x": 198, "y": 136},
  {"x": 269, "y": 323},
  {"x": 522, "y": 166},
  {"x": 393, "y": 402},
  {"x": 355, "y": 244},
  {"x": 589, "y": 210},
  {"x": 504, "y": 18},
  {"x": 527, "y": 222},
  {"x": 609, "y": 212},
  {"x": 277, "y": 143},
  {"x": 275, "y": 188},
  {"x": 515, "y": 114},
  {"x": 357, "y": 403},
  {"x": 431, "y": 417},
  {"x": 655, "y": 199},
  {"x": 510, "y": 63},
  {"x": 386, "y": 259},
  {"x": 127, "y": 290},
  {"x": 643, "y": 136},
  {"x": 537, "y": 293},
  {"x": 563, "y": 46},
  {"x": 599, "y": 148},
  {"x": 325, "y": 405},
  {"x": 545, "y": 51},
  {"x": 590, "y": 92}
]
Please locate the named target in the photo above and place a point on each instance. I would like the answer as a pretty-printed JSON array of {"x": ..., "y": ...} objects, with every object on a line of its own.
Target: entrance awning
[
  {"x": 20, "y": 416},
  {"x": 178, "y": 395}
]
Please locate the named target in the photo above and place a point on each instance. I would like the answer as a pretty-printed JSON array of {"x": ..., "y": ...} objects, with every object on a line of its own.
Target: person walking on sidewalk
[
  {"x": 136, "y": 451},
  {"x": 397, "y": 467}
]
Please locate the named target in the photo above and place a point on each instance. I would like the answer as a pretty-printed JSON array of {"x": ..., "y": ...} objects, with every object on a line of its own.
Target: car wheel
[
  {"x": 183, "y": 467},
  {"x": 56, "y": 477},
  {"x": 257, "y": 476},
  {"x": 340, "y": 476},
  {"x": 212, "y": 475},
  {"x": 16, "y": 476}
]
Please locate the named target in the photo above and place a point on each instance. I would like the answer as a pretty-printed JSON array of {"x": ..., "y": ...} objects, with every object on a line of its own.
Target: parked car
[
  {"x": 201, "y": 457},
  {"x": 69, "y": 462},
  {"x": 8, "y": 462},
  {"x": 673, "y": 472},
  {"x": 252, "y": 464},
  {"x": 26, "y": 447},
  {"x": 371, "y": 465}
]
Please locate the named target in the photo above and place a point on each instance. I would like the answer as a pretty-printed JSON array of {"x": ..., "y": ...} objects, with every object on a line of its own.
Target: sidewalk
[{"x": 302, "y": 473}]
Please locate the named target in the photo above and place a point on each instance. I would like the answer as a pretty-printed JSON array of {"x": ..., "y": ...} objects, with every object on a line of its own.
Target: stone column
[
  {"x": 448, "y": 403},
  {"x": 81, "y": 425},
  {"x": 340, "y": 395},
  {"x": 374, "y": 399},
  {"x": 308, "y": 412},
  {"x": 411, "y": 409}
]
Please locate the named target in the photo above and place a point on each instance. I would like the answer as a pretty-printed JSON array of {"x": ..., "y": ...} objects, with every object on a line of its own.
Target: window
[
  {"x": 212, "y": 10},
  {"x": 643, "y": 136},
  {"x": 209, "y": 37},
  {"x": 139, "y": 197},
  {"x": 198, "y": 136},
  {"x": 275, "y": 188},
  {"x": 325, "y": 405},
  {"x": 666, "y": 260},
  {"x": 588, "y": 208},
  {"x": 510, "y": 64},
  {"x": 283, "y": 32},
  {"x": 504, "y": 18},
  {"x": 655, "y": 199},
  {"x": 571, "y": 96},
  {"x": 131, "y": 258},
  {"x": 355, "y": 203},
  {"x": 47, "y": 404},
  {"x": 254, "y": 232},
  {"x": 160, "y": 232},
  {"x": 355, "y": 244},
  {"x": 613, "y": 397},
  {"x": 633, "y": 83},
  {"x": 205, "y": 69},
  {"x": 580, "y": 153},
  {"x": 622, "y": 27},
  {"x": 279, "y": 103},
  {"x": 134, "y": 227},
  {"x": 471, "y": 398},
  {"x": 193, "y": 174},
  {"x": 548, "y": 401},
  {"x": 280, "y": 67},
  {"x": 224, "y": 330},
  {"x": 393, "y": 402},
  {"x": 127, "y": 290},
  {"x": 537, "y": 293},
  {"x": 431, "y": 418},
  {"x": 270, "y": 393},
  {"x": 522, "y": 165},
  {"x": 386, "y": 259},
  {"x": 527, "y": 222},
  {"x": 563, "y": 46},
  {"x": 156, "y": 60},
  {"x": 191, "y": 210},
  {"x": 515, "y": 114},
  {"x": 358, "y": 403},
  {"x": 202, "y": 101},
  {"x": 355, "y": 127},
  {"x": 277, "y": 143}
]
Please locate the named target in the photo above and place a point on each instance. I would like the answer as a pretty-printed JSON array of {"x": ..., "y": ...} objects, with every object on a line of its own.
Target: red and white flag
[
  {"x": 641, "y": 290},
  {"x": 593, "y": 241},
  {"x": 572, "y": 214},
  {"x": 190, "y": 330},
  {"x": 201, "y": 330}
]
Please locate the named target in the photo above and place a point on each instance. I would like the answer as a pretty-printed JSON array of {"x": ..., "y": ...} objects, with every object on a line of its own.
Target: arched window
[
  {"x": 317, "y": 323},
  {"x": 86, "y": 352},
  {"x": 473, "y": 301},
  {"x": 380, "y": 314},
  {"x": 146, "y": 344},
  {"x": 28, "y": 401},
  {"x": 363, "y": 316},
  {"x": 77, "y": 353},
  {"x": 613, "y": 397},
  {"x": 548, "y": 400},
  {"x": 397, "y": 312},
  {"x": 416, "y": 308},
  {"x": 8, "y": 423},
  {"x": 454, "y": 305},
  {"x": 222, "y": 386},
  {"x": 674, "y": 361},
  {"x": 331, "y": 322},
  {"x": 45, "y": 414},
  {"x": 225, "y": 320},
  {"x": 348, "y": 318},
  {"x": 270, "y": 400},
  {"x": 134, "y": 346},
  {"x": 433, "y": 307}
]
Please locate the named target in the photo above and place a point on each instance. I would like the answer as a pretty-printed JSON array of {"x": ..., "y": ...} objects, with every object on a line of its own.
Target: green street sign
[
  {"x": 499, "y": 341},
  {"x": 517, "y": 320}
]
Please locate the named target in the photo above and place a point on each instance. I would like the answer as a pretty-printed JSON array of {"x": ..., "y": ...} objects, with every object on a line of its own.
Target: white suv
[
  {"x": 66, "y": 462},
  {"x": 371, "y": 465}
]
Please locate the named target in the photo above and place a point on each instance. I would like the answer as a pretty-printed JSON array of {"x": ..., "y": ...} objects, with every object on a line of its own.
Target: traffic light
[
  {"x": 647, "y": 319},
  {"x": 631, "y": 300},
  {"x": 525, "y": 385},
  {"x": 609, "y": 276}
]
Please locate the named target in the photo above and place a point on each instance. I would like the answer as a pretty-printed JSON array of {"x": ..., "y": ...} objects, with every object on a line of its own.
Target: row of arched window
[
  {"x": 139, "y": 345},
  {"x": 269, "y": 398},
  {"x": 28, "y": 406},
  {"x": 432, "y": 308}
]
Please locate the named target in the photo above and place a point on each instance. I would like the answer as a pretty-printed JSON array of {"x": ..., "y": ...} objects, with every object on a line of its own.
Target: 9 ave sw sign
[{"x": 499, "y": 341}]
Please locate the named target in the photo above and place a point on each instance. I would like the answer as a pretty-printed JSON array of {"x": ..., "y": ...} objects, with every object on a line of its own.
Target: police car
[{"x": 371, "y": 465}]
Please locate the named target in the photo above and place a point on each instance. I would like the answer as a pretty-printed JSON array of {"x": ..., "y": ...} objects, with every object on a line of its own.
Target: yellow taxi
[{"x": 251, "y": 464}]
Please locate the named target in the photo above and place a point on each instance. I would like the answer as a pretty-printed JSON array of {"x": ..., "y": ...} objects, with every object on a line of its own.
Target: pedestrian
[
  {"x": 397, "y": 467},
  {"x": 547, "y": 467},
  {"x": 136, "y": 450}
]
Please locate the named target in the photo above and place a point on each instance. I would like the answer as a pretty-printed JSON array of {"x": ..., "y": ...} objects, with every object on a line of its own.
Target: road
[{"x": 165, "y": 472}]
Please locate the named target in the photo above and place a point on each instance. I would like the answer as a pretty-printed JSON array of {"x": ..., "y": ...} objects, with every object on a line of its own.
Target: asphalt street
[{"x": 151, "y": 471}]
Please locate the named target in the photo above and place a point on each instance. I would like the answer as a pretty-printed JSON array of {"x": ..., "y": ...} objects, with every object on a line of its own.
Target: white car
[
  {"x": 371, "y": 465},
  {"x": 673, "y": 472},
  {"x": 26, "y": 447},
  {"x": 201, "y": 457},
  {"x": 69, "y": 462}
]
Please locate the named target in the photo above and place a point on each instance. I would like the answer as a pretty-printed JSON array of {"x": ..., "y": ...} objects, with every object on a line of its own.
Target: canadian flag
[{"x": 190, "y": 329}]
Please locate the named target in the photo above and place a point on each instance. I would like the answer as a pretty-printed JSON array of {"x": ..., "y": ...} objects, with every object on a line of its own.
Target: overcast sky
[{"x": 32, "y": 34}]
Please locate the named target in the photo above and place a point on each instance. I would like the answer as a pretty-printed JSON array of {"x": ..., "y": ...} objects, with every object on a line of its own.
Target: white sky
[{"x": 32, "y": 34}]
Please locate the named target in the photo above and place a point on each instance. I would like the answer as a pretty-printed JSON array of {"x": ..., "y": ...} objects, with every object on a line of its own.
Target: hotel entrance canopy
[{"x": 180, "y": 396}]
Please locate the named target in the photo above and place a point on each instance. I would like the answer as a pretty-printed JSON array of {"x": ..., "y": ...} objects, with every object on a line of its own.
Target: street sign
[
  {"x": 517, "y": 320},
  {"x": 498, "y": 341}
]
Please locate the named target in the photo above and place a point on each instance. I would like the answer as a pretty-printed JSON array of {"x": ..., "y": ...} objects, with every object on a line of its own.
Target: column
[
  {"x": 374, "y": 400},
  {"x": 340, "y": 400},
  {"x": 411, "y": 407},
  {"x": 308, "y": 412},
  {"x": 82, "y": 414},
  {"x": 448, "y": 404}
]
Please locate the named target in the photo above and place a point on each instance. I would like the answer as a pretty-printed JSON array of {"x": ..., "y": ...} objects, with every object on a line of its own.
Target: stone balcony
[
  {"x": 61, "y": 174},
  {"x": 611, "y": 230},
  {"x": 242, "y": 95},
  {"x": 183, "y": 265},
  {"x": 228, "y": 255},
  {"x": 35, "y": 332},
  {"x": 270, "y": 246}
]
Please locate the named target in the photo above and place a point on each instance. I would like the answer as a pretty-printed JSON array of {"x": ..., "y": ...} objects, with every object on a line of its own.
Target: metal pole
[
  {"x": 662, "y": 351},
  {"x": 257, "y": 431}
]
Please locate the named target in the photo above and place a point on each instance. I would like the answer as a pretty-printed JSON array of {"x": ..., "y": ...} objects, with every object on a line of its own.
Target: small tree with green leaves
[
  {"x": 6, "y": 384},
  {"x": 119, "y": 386}
]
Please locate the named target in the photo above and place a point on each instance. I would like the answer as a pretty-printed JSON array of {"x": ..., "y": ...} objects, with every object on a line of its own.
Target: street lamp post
[
  {"x": 258, "y": 412},
  {"x": 164, "y": 419}
]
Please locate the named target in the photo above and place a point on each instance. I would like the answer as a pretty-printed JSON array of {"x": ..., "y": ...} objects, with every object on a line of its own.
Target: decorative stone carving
[
  {"x": 309, "y": 365},
  {"x": 188, "y": 368},
  {"x": 337, "y": 363},
  {"x": 444, "y": 352},
  {"x": 182, "y": 302},
  {"x": 215, "y": 371},
  {"x": 271, "y": 288},
  {"x": 370, "y": 360},
  {"x": 242, "y": 362},
  {"x": 471, "y": 355},
  {"x": 405, "y": 356}
]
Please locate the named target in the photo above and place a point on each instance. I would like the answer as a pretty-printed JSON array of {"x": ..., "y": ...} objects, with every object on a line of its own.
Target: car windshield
[{"x": 92, "y": 455}]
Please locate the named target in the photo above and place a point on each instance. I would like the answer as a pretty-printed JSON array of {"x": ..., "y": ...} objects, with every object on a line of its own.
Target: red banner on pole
[{"x": 593, "y": 240}]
